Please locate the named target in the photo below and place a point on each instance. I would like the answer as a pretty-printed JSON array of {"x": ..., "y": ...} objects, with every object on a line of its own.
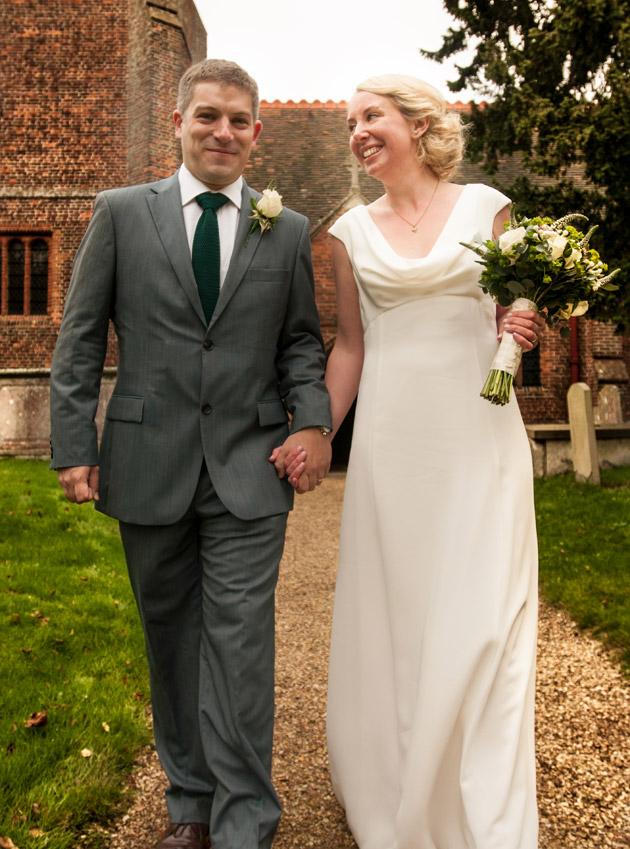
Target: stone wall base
[
  {"x": 551, "y": 447},
  {"x": 25, "y": 426},
  {"x": 25, "y": 414}
]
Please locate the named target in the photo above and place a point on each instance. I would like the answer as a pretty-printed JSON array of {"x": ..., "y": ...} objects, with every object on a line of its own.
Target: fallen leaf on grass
[
  {"x": 36, "y": 832},
  {"x": 7, "y": 843},
  {"x": 43, "y": 620},
  {"x": 105, "y": 726},
  {"x": 86, "y": 753},
  {"x": 36, "y": 720}
]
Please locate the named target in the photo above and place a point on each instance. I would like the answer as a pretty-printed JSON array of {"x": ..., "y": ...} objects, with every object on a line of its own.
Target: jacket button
[
  {"x": 208, "y": 345},
  {"x": 206, "y": 409}
]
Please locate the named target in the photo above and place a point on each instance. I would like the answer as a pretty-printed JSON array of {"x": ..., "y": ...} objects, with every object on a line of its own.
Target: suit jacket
[{"x": 186, "y": 391}]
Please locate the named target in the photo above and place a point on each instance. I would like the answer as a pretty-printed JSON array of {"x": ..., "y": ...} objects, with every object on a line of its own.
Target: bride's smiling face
[{"x": 380, "y": 137}]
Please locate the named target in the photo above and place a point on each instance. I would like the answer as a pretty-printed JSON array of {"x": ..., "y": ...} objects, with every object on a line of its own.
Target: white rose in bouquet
[
  {"x": 573, "y": 257},
  {"x": 511, "y": 238},
  {"x": 556, "y": 243}
]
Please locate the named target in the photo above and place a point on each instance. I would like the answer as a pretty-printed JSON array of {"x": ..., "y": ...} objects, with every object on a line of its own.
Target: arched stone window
[
  {"x": 24, "y": 274},
  {"x": 16, "y": 277},
  {"x": 39, "y": 277}
]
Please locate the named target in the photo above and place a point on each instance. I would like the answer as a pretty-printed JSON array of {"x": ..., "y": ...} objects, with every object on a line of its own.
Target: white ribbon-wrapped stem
[
  {"x": 498, "y": 386},
  {"x": 508, "y": 357}
]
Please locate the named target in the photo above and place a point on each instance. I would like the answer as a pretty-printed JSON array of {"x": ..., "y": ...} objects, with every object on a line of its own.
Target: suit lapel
[
  {"x": 165, "y": 203},
  {"x": 244, "y": 249}
]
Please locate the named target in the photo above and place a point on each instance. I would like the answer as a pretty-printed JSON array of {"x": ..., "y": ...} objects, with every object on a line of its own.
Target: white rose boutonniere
[{"x": 267, "y": 210}]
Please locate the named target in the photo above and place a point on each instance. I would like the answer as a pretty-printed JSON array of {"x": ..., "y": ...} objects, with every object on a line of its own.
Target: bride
[{"x": 431, "y": 686}]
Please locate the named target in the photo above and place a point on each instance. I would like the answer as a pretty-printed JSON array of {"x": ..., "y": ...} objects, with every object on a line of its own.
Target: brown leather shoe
[{"x": 185, "y": 835}]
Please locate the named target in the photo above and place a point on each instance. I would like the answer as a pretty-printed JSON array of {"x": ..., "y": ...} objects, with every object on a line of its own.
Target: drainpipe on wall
[{"x": 575, "y": 350}]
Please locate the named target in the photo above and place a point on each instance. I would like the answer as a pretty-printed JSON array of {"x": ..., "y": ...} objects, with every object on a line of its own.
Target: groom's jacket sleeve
[
  {"x": 301, "y": 358},
  {"x": 79, "y": 356}
]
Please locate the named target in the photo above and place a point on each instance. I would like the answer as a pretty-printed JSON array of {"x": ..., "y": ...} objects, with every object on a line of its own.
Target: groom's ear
[
  {"x": 257, "y": 129},
  {"x": 177, "y": 123}
]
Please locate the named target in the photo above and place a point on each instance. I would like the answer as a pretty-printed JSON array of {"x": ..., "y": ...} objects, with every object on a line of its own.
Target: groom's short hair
[{"x": 216, "y": 71}]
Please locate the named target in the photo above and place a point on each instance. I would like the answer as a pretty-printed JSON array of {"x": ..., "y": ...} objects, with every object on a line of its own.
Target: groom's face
[{"x": 217, "y": 131}]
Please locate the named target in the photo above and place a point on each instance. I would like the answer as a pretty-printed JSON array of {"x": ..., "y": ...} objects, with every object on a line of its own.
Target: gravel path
[{"x": 583, "y": 715}]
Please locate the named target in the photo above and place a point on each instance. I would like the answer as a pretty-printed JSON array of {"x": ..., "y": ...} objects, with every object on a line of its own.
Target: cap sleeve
[{"x": 493, "y": 200}]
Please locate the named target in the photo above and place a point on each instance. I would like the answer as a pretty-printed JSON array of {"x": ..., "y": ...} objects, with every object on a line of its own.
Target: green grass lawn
[
  {"x": 584, "y": 542},
  {"x": 72, "y": 645}
]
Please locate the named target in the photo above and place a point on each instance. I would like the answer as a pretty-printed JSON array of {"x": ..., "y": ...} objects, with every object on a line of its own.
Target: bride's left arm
[{"x": 525, "y": 325}]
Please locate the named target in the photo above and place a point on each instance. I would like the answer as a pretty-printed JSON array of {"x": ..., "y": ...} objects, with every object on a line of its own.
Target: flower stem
[{"x": 498, "y": 387}]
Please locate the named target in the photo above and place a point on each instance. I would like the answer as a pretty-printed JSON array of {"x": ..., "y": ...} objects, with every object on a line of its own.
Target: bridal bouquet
[{"x": 537, "y": 264}]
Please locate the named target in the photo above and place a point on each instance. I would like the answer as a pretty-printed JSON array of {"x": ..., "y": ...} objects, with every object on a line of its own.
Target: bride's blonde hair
[{"x": 441, "y": 146}]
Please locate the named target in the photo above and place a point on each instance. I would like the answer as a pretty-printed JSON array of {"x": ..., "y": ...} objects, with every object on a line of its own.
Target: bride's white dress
[{"x": 431, "y": 692}]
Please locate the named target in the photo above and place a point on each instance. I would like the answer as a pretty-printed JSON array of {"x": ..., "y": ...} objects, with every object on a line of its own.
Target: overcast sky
[{"x": 297, "y": 50}]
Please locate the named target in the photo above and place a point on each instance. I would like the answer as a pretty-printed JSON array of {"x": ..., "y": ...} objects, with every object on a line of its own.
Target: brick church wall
[
  {"x": 88, "y": 92},
  {"x": 89, "y": 88}
]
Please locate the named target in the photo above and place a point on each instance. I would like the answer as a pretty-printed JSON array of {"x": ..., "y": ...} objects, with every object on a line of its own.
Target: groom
[{"x": 204, "y": 391}]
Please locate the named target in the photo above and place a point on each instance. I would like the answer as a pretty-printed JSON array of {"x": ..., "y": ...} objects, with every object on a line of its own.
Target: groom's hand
[
  {"x": 305, "y": 456},
  {"x": 80, "y": 483}
]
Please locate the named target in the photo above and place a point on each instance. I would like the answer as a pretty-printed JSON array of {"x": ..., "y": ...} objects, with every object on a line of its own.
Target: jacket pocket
[
  {"x": 267, "y": 275},
  {"x": 271, "y": 413},
  {"x": 125, "y": 408}
]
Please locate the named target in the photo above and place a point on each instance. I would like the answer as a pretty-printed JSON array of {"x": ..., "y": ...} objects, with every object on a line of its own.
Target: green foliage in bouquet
[
  {"x": 543, "y": 265},
  {"x": 549, "y": 262}
]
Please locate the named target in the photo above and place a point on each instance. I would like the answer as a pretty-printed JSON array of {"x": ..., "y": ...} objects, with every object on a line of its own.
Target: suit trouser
[{"x": 205, "y": 592}]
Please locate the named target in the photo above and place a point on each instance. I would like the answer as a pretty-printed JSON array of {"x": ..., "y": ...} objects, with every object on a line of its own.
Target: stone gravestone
[
  {"x": 608, "y": 411},
  {"x": 582, "y": 426}
]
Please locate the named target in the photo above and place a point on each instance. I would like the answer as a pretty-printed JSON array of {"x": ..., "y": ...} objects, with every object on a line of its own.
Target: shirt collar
[{"x": 190, "y": 187}]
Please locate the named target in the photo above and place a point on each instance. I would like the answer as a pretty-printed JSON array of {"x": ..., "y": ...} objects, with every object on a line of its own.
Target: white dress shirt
[{"x": 227, "y": 215}]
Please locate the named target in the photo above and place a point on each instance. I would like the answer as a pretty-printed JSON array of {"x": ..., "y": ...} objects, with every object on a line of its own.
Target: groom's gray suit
[
  {"x": 186, "y": 391},
  {"x": 195, "y": 414}
]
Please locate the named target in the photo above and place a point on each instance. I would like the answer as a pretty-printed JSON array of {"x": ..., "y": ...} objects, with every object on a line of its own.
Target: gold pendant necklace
[{"x": 414, "y": 227}]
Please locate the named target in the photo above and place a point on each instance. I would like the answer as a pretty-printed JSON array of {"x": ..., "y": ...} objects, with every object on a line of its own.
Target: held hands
[
  {"x": 304, "y": 458},
  {"x": 525, "y": 326},
  {"x": 80, "y": 483}
]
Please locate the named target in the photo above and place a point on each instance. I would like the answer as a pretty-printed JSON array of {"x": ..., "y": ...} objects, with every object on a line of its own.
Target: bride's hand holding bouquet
[{"x": 537, "y": 264}]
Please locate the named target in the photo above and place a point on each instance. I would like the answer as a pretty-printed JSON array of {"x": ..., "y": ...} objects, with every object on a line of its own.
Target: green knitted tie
[{"x": 206, "y": 253}]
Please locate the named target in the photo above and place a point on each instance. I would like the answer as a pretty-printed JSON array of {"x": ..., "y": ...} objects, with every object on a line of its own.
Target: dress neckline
[{"x": 433, "y": 246}]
